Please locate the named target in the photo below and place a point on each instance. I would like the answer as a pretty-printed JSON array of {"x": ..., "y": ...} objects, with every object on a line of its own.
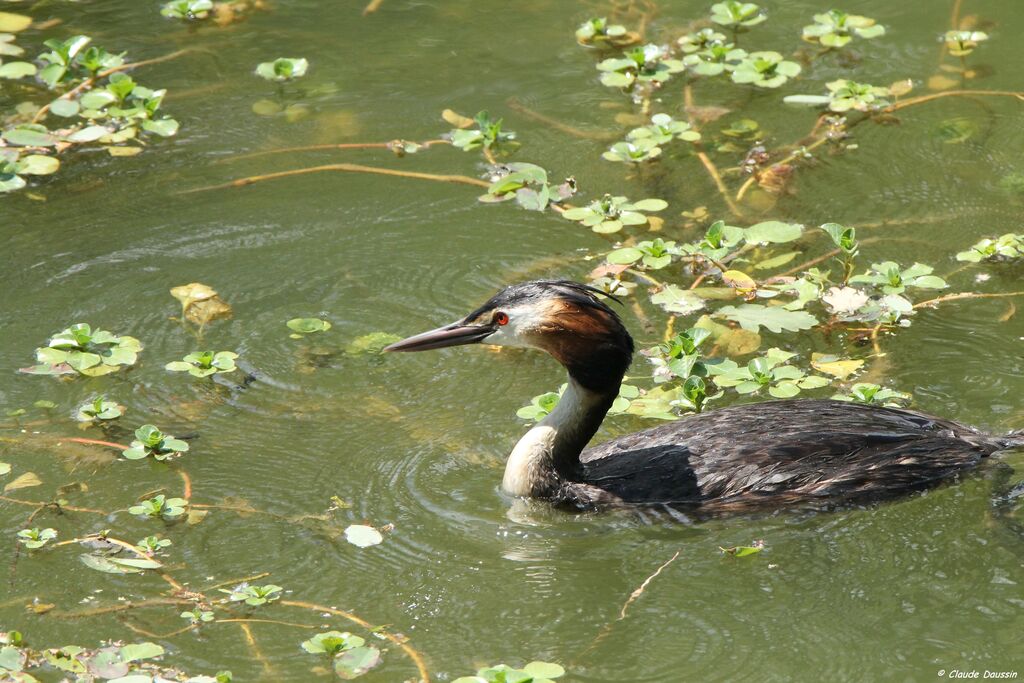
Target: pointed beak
[{"x": 455, "y": 334}]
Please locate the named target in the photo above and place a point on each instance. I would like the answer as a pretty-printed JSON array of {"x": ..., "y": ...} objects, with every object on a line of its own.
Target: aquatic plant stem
[
  {"x": 96, "y": 442},
  {"x": 69, "y": 508},
  {"x": 709, "y": 166},
  {"x": 120, "y": 607},
  {"x": 514, "y": 104},
  {"x": 235, "y": 582},
  {"x": 413, "y": 654},
  {"x": 921, "y": 99},
  {"x": 333, "y": 146},
  {"x": 263, "y": 621},
  {"x": 186, "y": 482},
  {"x": 257, "y": 653},
  {"x": 159, "y": 636},
  {"x": 372, "y": 7},
  {"x": 347, "y": 168},
  {"x": 959, "y": 296},
  {"x": 89, "y": 82}
]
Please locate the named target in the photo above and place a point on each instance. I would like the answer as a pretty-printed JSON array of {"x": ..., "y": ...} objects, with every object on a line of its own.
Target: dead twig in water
[
  {"x": 372, "y": 7},
  {"x": 643, "y": 586}
]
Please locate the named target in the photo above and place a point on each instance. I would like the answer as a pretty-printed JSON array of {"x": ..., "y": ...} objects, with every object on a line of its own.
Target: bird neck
[{"x": 550, "y": 452}]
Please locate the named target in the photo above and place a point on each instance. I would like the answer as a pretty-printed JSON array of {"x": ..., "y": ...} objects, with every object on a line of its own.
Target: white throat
[{"x": 531, "y": 462}]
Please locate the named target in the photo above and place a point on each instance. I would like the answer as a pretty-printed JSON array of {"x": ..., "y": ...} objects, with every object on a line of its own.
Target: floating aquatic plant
[
  {"x": 534, "y": 672},
  {"x": 644, "y": 64},
  {"x": 488, "y": 135},
  {"x": 963, "y": 43},
  {"x": 151, "y": 441},
  {"x": 350, "y": 656},
  {"x": 653, "y": 254},
  {"x": 771, "y": 371},
  {"x": 714, "y": 59},
  {"x": 80, "y": 349},
  {"x": 700, "y": 40},
  {"x": 598, "y": 32},
  {"x": 254, "y": 595},
  {"x": 205, "y": 363},
  {"x": 765, "y": 69},
  {"x": 303, "y": 326},
  {"x": 609, "y": 213},
  {"x": 1004, "y": 247},
  {"x": 893, "y": 280},
  {"x": 845, "y": 95},
  {"x": 283, "y": 69},
  {"x": 739, "y": 16},
  {"x": 867, "y": 393},
  {"x": 836, "y": 29},
  {"x": 160, "y": 506},
  {"x": 14, "y": 165},
  {"x": 99, "y": 409},
  {"x": 187, "y": 9},
  {"x": 528, "y": 185},
  {"x": 36, "y": 538}
]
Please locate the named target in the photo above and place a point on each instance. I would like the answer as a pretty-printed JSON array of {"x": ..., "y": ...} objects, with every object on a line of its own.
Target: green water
[{"x": 893, "y": 592}]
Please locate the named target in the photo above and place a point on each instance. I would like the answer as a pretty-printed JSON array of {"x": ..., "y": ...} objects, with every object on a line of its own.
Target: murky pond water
[{"x": 891, "y": 592}]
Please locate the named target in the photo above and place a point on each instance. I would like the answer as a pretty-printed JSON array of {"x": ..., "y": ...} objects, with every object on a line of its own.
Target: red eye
[{"x": 501, "y": 318}]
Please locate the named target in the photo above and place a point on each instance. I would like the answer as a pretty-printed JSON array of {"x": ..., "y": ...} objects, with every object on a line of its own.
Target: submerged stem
[
  {"x": 413, "y": 654},
  {"x": 348, "y": 168}
]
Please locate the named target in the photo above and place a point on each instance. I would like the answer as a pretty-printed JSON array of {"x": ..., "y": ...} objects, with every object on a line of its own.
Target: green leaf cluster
[
  {"x": 80, "y": 349},
  {"x": 205, "y": 363},
  {"x": 766, "y": 69},
  {"x": 771, "y": 371},
  {"x": 36, "y": 537},
  {"x": 160, "y": 506},
  {"x": 715, "y": 58},
  {"x": 893, "y": 280},
  {"x": 963, "y": 43},
  {"x": 283, "y": 69},
  {"x": 187, "y": 9},
  {"x": 254, "y": 595},
  {"x": 643, "y": 64},
  {"x": 598, "y": 32},
  {"x": 651, "y": 254},
  {"x": 844, "y": 95},
  {"x": 15, "y": 163},
  {"x": 739, "y": 16},
  {"x": 643, "y": 143},
  {"x": 609, "y": 214},
  {"x": 487, "y": 135},
  {"x": 350, "y": 655},
  {"x": 534, "y": 672},
  {"x": 99, "y": 409},
  {"x": 836, "y": 29},
  {"x": 151, "y": 441},
  {"x": 1004, "y": 247},
  {"x": 873, "y": 394},
  {"x": 528, "y": 185}
]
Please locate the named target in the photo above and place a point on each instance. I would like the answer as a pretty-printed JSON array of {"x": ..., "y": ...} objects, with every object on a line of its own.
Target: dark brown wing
[{"x": 805, "y": 450}]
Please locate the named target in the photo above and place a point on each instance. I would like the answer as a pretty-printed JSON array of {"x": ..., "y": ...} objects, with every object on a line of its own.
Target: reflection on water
[{"x": 472, "y": 577}]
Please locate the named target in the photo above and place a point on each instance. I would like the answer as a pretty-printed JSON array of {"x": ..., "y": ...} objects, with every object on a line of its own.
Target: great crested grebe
[{"x": 743, "y": 457}]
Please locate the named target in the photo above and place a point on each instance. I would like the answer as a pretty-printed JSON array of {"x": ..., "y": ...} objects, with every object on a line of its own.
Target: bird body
[{"x": 753, "y": 456}]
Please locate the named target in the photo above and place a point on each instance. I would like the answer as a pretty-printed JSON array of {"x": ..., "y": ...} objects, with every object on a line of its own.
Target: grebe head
[{"x": 566, "y": 319}]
